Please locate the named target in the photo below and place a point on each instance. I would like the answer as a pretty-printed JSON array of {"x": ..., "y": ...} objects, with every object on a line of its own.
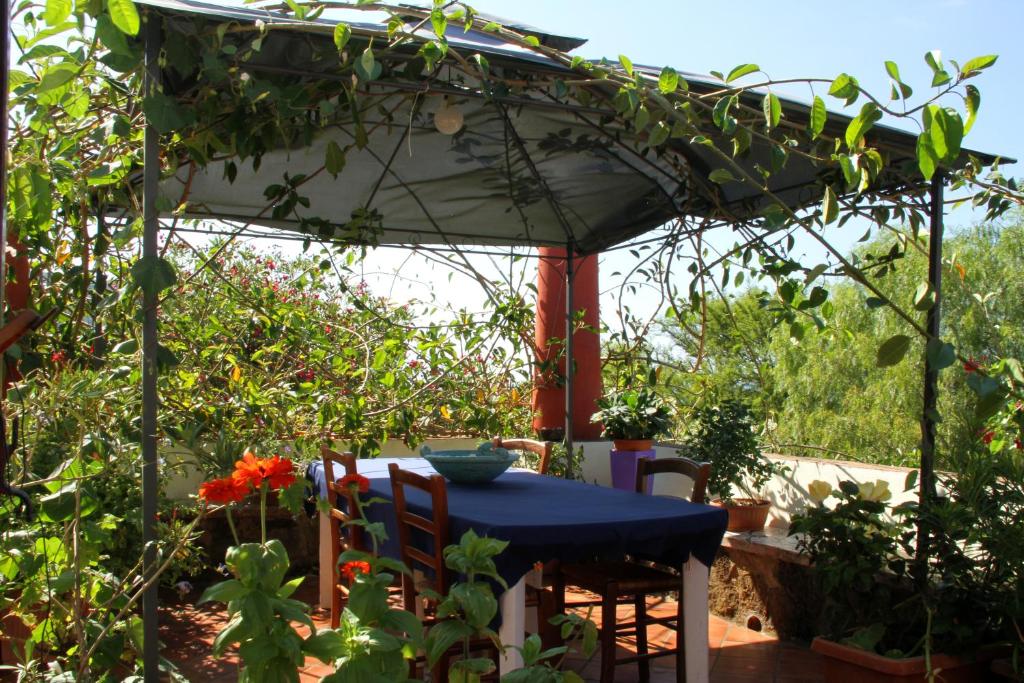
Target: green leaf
[
  {"x": 668, "y": 81},
  {"x": 335, "y": 159},
  {"x": 720, "y": 114},
  {"x": 439, "y": 22},
  {"x": 326, "y": 645},
  {"x": 165, "y": 113},
  {"x": 57, "y": 11},
  {"x": 772, "y": 108},
  {"x": 940, "y": 354},
  {"x": 894, "y": 73},
  {"x": 643, "y": 117},
  {"x": 721, "y": 176},
  {"x": 972, "y": 99},
  {"x": 532, "y": 40},
  {"x": 225, "y": 591},
  {"x": 819, "y": 115},
  {"x": 845, "y": 87},
  {"x": 741, "y": 71},
  {"x": 829, "y": 206},
  {"x": 342, "y": 34},
  {"x": 933, "y": 59},
  {"x": 946, "y": 130},
  {"x": 366, "y": 66},
  {"x": 153, "y": 274},
  {"x": 111, "y": 37},
  {"x": 927, "y": 160},
  {"x": 924, "y": 296},
  {"x": 892, "y": 350},
  {"x": 124, "y": 15},
  {"x": 861, "y": 124},
  {"x": 659, "y": 133},
  {"x": 126, "y": 347},
  {"x": 626, "y": 64},
  {"x": 56, "y": 76},
  {"x": 966, "y": 71}
]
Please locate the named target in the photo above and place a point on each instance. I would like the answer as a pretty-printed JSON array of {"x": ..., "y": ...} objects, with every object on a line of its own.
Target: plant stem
[
  {"x": 231, "y": 524},
  {"x": 263, "y": 513}
]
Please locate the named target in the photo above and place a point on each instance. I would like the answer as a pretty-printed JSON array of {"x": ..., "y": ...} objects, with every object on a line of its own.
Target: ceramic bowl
[{"x": 478, "y": 466}]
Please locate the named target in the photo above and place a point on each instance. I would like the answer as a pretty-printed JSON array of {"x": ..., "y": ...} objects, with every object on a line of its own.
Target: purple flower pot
[{"x": 624, "y": 469}]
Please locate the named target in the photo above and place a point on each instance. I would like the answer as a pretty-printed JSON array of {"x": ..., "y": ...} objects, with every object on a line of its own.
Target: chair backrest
[
  {"x": 412, "y": 527},
  {"x": 343, "y": 535},
  {"x": 697, "y": 471},
  {"x": 541, "y": 448}
]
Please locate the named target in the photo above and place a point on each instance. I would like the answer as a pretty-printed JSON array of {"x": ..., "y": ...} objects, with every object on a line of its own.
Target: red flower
[
  {"x": 971, "y": 366},
  {"x": 223, "y": 491},
  {"x": 355, "y": 480},
  {"x": 252, "y": 471},
  {"x": 350, "y": 570},
  {"x": 987, "y": 437},
  {"x": 1018, "y": 444},
  {"x": 57, "y": 357}
]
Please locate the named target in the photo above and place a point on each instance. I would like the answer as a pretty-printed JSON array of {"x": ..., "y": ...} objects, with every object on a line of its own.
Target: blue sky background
[{"x": 787, "y": 39}]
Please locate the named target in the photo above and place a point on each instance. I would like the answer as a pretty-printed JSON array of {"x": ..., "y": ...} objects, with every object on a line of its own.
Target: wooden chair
[
  {"x": 541, "y": 448},
  {"x": 699, "y": 472},
  {"x": 428, "y": 566},
  {"x": 538, "y": 596},
  {"x": 613, "y": 581},
  {"x": 429, "y": 563},
  {"x": 343, "y": 536}
]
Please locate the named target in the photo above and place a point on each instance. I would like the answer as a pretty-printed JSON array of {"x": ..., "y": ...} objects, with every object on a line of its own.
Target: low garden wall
[{"x": 760, "y": 579}]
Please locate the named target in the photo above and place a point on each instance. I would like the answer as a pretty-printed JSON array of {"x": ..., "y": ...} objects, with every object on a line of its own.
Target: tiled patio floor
[{"x": 737, "y": 655}]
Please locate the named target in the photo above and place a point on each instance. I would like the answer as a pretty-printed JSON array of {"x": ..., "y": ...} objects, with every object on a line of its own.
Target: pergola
[{"x": 533, "y": 162}]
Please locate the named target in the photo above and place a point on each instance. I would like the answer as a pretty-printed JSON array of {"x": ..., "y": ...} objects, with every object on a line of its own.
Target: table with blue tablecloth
[{"x": 547, "y": 518}]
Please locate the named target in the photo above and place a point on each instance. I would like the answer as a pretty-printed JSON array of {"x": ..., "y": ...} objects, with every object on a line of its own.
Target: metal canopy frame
[{"x": 897, "y": 142}]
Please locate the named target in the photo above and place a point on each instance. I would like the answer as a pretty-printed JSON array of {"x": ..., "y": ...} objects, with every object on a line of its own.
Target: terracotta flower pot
[
  {"x": 846, "y": 664},
  {"x": 633, "y": 444},
  {"x": 745, "y": 514}
]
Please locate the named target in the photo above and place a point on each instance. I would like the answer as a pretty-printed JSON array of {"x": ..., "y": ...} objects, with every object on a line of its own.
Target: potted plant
[
  {"x": 878, "y": 623},
  {"x": 632, "y": 418},
  {"x": 723, "y": 435}
]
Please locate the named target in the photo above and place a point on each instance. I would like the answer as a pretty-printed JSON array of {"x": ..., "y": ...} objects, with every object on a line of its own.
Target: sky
[{"x": 787, "y": 39}]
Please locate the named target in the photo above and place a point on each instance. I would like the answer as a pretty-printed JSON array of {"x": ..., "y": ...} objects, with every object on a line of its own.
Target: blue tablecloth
[{"x": 546, "y": 518}]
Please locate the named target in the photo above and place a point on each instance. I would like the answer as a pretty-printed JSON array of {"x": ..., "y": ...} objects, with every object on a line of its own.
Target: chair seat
[{"x": 628, "y": 577}]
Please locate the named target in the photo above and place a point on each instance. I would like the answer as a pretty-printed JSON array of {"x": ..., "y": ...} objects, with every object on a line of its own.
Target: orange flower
[
  {"x": 223, "y": 491},
  {"x": 350, "y": 570},
  {"x": 277, "y": 471},
  {"x": 355, "y": 480}
]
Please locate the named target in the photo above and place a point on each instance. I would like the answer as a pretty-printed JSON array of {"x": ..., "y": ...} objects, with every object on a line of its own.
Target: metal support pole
[
  {"x": 150, "y": 473},
  {"x": 929, "y": 415},
  {"x": 5, "y": 66},
  {"x": 570, "y": 361}
]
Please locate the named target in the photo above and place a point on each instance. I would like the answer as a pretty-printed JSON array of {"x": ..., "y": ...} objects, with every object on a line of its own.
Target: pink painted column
[{"x": 548, "y": 393}]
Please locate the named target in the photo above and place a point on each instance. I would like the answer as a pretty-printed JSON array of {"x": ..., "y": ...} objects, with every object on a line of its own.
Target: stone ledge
[{"x": 772, "y": 543}]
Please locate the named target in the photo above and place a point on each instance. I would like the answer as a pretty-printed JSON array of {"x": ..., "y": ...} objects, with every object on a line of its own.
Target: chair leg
[
  {"x": 609, "y": 602},
  {"x": 640, "y": 617},
  {"x": 681, "y": 641},
  {"x": 335, "y": 606}
]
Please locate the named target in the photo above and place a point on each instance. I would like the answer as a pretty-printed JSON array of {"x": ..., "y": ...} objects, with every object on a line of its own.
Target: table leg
[
  {"x": 326, "y": 562},
  {"x": 513, "y": 626},
  {"x": 695, "y": 608}
]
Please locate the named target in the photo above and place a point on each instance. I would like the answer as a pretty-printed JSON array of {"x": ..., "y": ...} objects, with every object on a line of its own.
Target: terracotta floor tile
[
  {"x": 762, "y": 649},
  {"x": 736, "y": 655},
  {"x": 741, "y": 634}
]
